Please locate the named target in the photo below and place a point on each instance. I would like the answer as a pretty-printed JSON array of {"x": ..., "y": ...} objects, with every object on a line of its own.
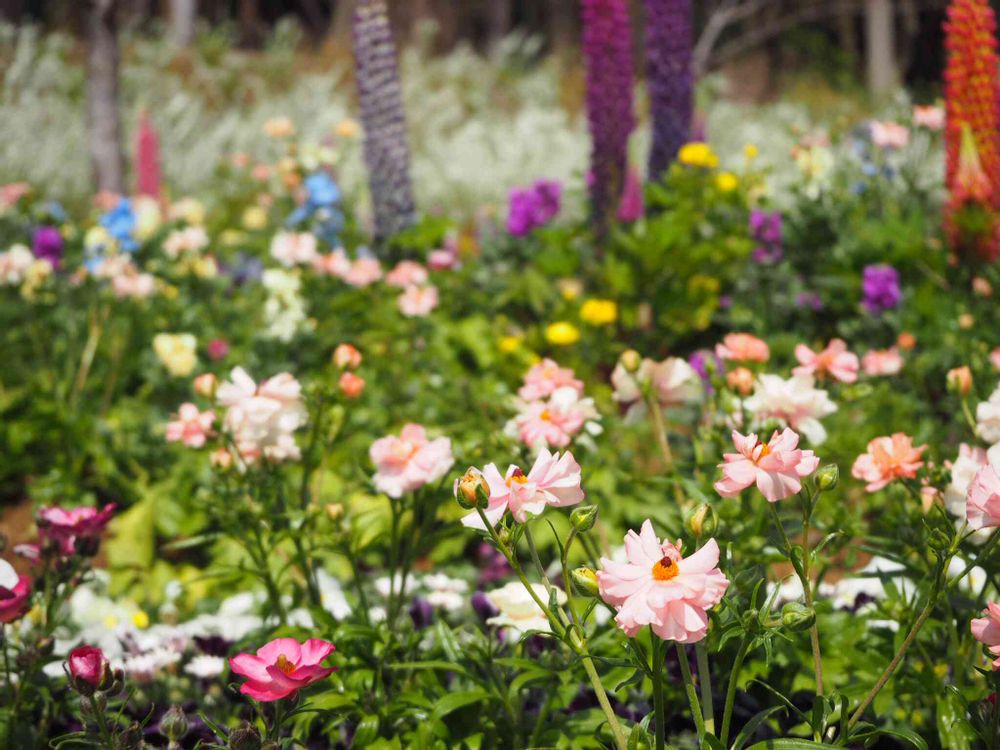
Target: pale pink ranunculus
[
  {"x": 835, "y": 360},
  {"x": 363, "y": 272},
  {"x": 881, "y": 362},
  {"x": 407, "y": 462},
  {"x": 982, "y": 499},
  {"x": 418, "y": 301},
  {"x": 986, "y": 630},
  {"x": 185, "y": 241},
  {"x": 795, "y": 401},
  {"x": 552, "y": 423},
  {"x": 294, "y": 248},
  {"x": 661, "y": 588},
  {"x": 777, "y": 467},
  {"x": 407, "y": 273},
  {"x": 888, "y": 458},
  {"x": 262, "y": 419},
  {"x": 545, "y": 377},
  {"x": 553, "y": 481},
  {"x": 930, "y": 116},
  {"x": 333, "y": 264},
  {"x": 888, "y": 134},
  {"x": 190, "y": 426},
  {"x": 282, "y": 667},
  {"x": 132, "y": 284},
  {"x": 743, "y": 347}
]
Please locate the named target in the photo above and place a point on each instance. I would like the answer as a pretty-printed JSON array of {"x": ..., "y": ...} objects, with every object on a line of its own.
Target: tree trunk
[
  {"x": 102, "y": 99},
  {"x": 249, "y": 23},
  {"x": 340, "y": 26},
  {"x": 497, "y": 21},
  {"x": 880, "y": 45},
  {"x": 182, "y": 17},
  {"x": 12, "y": 10}
]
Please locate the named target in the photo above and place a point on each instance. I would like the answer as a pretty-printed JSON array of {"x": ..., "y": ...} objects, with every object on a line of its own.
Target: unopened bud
[
  {"x": 107, "y": 677},
  {"x": 630, "y": 360},
  {"x": 827, "y": 477},
  {"x": 583, "y": 517},
  {"x": 174, "y": 724},
  {"x": 959, "y": 381},
  {"x": 471, "y": 490},
  {"x": 245, "y": 737},
  {"x": 130, "y": 738},
  {"x": 797, "y": 617},
  {"x": 585, "y": 580},
  {"x": 334, "y": 511},
  {"x": 100, "y": 703},
  {"x": 45, "y": 646},
  {"x": 703, "y": 522}
]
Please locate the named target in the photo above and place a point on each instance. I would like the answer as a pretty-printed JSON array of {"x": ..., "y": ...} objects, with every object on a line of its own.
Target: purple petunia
[
  {"x": 880, "y": 287},
  {"x": 533, "y": 207},
  {"x": 47, "y": 244}
]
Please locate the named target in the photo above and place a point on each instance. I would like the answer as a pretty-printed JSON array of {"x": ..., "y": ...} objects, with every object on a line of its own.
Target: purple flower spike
[{"x": 670, "y": 79}]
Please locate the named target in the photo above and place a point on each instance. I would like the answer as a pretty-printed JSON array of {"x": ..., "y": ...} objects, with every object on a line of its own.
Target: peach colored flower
[
  {"x": 743, "y": 347},
  {"x": 282, "y": 667},
  {"x": 930, "y": 116},
  {"x": 888, "y": 458},
  {"x": 544, "y": 378},
  {"x": 660, "y": 588},
  {"x": 408, "y": 462},
  {"x": 363, "y": 271},
  {"x": 333, "y": 264},
  {"x": 777, "y": 467},
  {"x": 346, "y": 357},
  {"x": 191, "y": 426},
  {"x": 740, "y": 380},
  {"x": 262, "y": 419},
  {"x": 293, "y": 248},
  {"x": 888, "y": 134},
  {"x": 982, "y": 500},
  {"x": 878, "y": 362},
  {"x": 407, "y": 273},
  {"x": 959, "y": 379},
  {"x": 205, "y": 384},
  {"x": 351, "y": 385},
  {"x": 986, "y": 630},
  {"x": 835, "y": 360},
  {"x": 553, "y": 481},
  {"x": 418, "y": 301}
]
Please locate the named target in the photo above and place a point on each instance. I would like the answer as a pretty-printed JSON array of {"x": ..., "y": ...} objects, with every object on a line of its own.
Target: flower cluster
[
  {"x": 552, "y": 409},
  {"x": 262, "y": 419},
  {"x": 532, "y": 207}
]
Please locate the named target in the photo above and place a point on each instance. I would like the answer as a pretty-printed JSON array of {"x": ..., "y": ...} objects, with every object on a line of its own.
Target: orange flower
[{"x": 888, "y": 458}]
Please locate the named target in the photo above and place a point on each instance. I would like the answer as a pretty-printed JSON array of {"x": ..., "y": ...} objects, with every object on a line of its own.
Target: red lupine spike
[{"x": 147, "y": 158}]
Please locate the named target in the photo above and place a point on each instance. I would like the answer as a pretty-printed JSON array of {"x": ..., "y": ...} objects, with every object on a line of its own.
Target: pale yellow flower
[
  {"x": 255, "y": 217},
  {"x": 279, "y": 127},
  {"x": 148, "y": 217},
  {"x": 188, "y": 210},
  {"x": 750, "y": 152},
  {"x": 177, "y": 352},
  {"x": 347, "y": 128}
]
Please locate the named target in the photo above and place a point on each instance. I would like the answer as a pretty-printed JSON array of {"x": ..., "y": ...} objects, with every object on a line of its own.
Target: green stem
[
  {"x": 705, "y": 683},
  {"x": 602, "y": 698},
  {"x": 727, "y": 712},
  {"x": 984, "y": 552},
  {"x": 536, "y": 559},
  {"x": 657, "y": 668},
  {"x": 692, "y": 692},
  {"x": 660, "y": 431},
  {"x": 807, "y": 590}
]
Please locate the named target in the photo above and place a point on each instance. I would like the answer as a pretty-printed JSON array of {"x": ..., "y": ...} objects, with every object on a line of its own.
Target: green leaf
[
  {"x": 455, "y": 701},
  {"x": 751, "y": 726},
  {"x": 954, "y": 729},
  {"x": 788, "y": 744}
]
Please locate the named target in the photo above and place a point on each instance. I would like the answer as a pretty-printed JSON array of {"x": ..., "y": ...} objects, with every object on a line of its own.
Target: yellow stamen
[
  {"x": 545, "y": 415},
  {"x": 665, "y": 570},
  {"x": 283, "y": 664}
]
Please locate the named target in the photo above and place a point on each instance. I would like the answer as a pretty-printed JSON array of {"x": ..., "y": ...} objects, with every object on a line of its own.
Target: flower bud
[
  {"x": 740, "y": 380},
  {"x": 86, "y": 546},
  {"x": 130, "y": 738},
  {"x": 245, "y": 737},
  {"x": 583, "y": 517},
  {"x": 351, "y": 385},
  {"x": 346, "y": 357},
  {"x": 334, "y": 511},
  {"x": 45, "y": 646},
  {"x": 630, "y": 360},
  {"x": 471, "y": 490},
  {"x": 100, "y": 703},
  {"x": 204, "y": 384},
  {"x": 797, "y": 617},
  {"x": 703, "y": 522},
  {"x": 827, "y": 477},
  {"x": 959, "y": 381},
  {"x": 585, "y": 580},
  {"x": 174, "y": 724}
]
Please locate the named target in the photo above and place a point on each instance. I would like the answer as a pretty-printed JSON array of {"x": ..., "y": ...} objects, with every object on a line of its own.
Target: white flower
[
  {"x": 262, "y": 419},
  {"x": 146, "y": 666},
  {"x": 673, "y": 381},
  {"x": 8, "y": 576},
  {"x": 794, "y": 401},
  {"x": 14, "y": 264},
  {"x": 332, "y": 595},
  {"x": 185, "y": 241},
  {"x": 293, "y": 248},
  {"x": 445, "y": 592},
  {"x": 205, "y": 667},
  {"x": 518, "y": 610},
  {"x": 385, "y": 584},
  {"x": 988, "y": 418}
]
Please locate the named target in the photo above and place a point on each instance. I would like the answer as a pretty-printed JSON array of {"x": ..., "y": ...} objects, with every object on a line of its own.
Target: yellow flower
[
  {"x": 751, "y": 152},
  {"x": 231, "y": 237},
  {"x": 570, "y": 289},
  {"x": 98, "y": 238},
  {"x": 140, "y": 619},
  {"x": 205, "y": 267},
  {"x": 347, "y": 128},
  {"x": 562, "y": 333},
  {"x": 726, "y": 182},
  {"x": 255, "y": 217},
  {"x": 148, "y": 217},
  {"x": 509, "y": 344},
  {"x": 599, "y": 312},
  {"x": 698, "y": 154},
  {"x": 177, "y": 352}
]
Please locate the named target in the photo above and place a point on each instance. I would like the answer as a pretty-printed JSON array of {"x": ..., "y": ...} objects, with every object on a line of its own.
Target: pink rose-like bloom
[
  {"x": 443, "y": 259},
  {"x": 408, "y": 462},
  {"x": 554, "y": 481},
  {"x": 14, "y": 592},
  {"x": 131, "y": 284},
  {"x": 777, "y": 467},
  {"x": 418, "y": 301},
  {"x": 882, "y": 362},
  {"x": 660, "y": 588},
  {"x": 333, "y": 264},
  {"x": 406, "y": 273},
  {"x": 554, "y": 422},
  {"x": 986, "y": 630},
  {"x": 888, "y": 134},
  {"x": 886, "y": 459},
  {"x": 930, "y": 117},
  {"x": 218, "y": 349},
  {"x": 835, "y": 360},
  {"x": 743, "y": 347},
  {"x": 363, "y": 271},
  {"x": 293, "y": 248},
  {"x": 262, "y": 419},
  {"x": 346, "y": 357},
  {"x": 65, "y": 526},
  {"x": 351, "y": 385},
  {"x": 982, "y": 499},
  {"x": 191, "y": 426},
  {"x": 544, "y": 378},
  {"x": 87, "y": 664},
  {"x": 282, "y": 667}
]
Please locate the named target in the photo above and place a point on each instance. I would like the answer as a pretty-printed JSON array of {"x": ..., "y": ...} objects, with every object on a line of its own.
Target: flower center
[
  {"x": 665, "y": 570},
  {"x": 545, "y": 416},
  {"x": 764, "y": 450},
  {"x": 283, "y": 664},
  {"x": 518, "y": 476}
]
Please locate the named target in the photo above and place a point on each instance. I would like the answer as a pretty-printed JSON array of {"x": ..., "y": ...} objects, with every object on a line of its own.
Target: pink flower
[
  {"x": 333, "y": 264},
  {"x": 87, "y": 664},
  {"x": 660, "y": 588},
  {"x": 986, "y": 630},
  {"x": 544, "y": 378},
  {"x": 995, "y": 358},
  {"x": 282, "y": 667},
  {"x": 14, "y": 592},
  {"x": 191, "y": 426},
  {"x": 930, "y": 117},
  {"x": 743, "y": 347},
  {"x": 882, "y": 362},
  {"x": 888, "y": 458},
  {"x": 293, "y": 248},
  {"x": 835, "y": 360},
  {"x": 351, "y": 385},
  {"x": 554, "y": 481},
  {"x": 218, "y": 349},
  {"x": 889, "y": 134},
  {"x": 406, "y": 273},
  {"x": 418, "y": 301},
  {"x": 346, "y": 357},
  {"x": 66, "y": 526},
  {"x": 554, "y": 422},
  {"x": 363, "y": 271},
  {"x": 442, "y": 259},
  {"x": 982, "y": 499},
  {"x": 777, "y": 467},
  {"x": 408, "y": 462}
]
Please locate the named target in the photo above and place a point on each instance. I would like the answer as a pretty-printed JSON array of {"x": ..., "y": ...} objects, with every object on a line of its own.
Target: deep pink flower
[
  {"x": 982, "y": 499},
  {"x": 14, "y": 592},
  {"x": 835, "y": 360},
  {"x": 282, "y": 667},
  {"x": 87, "y": 664},
  {"x": 191, "y": 426},
  {"x": 743, "y": 347},
  {"x": 542, "y": 380},
  {"x": 660, "y": 588},
  {"x": 777, "y": 467},
  {"x": 554, "y": 481},
  {"x": 218, "y": 349},
  {"x": 65, "y": 526},
  {"x": 986, "y": 630},
  {"x": 408, "y": 462},
  {"x": 886, "y": 459}
]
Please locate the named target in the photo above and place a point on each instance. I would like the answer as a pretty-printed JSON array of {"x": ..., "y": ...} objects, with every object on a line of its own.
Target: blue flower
[
  {"x": 120, "y": 223},
  {"x": 322, "y": 190}
]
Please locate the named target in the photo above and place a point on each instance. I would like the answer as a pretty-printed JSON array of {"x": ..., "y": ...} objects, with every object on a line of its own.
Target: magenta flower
[
  {"x": 835, "y": 360},
  {"x": 282, "y": 667},
  {"x": 87, "y": 664},
  {"x": 218, "y": 349},
  {"x": 14, "y": 592},
  {"x": 66, "y": 526},
  {"x": 408, "y": 462},
  {"x": 982, "y": 501},
  {"x": 660, "y": 588},
  {"x": 554, "y": 481},
  {"x": 986, "y": 630},
  {"x": 777, "y": 467},
  {"x": 191, "y": 426}
]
